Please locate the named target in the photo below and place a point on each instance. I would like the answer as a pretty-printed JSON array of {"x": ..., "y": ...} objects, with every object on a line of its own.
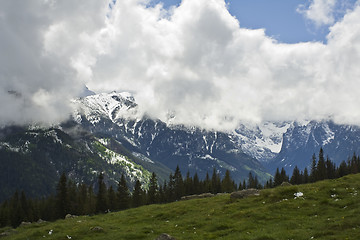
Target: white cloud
[
  {"x": 193, "y": 60},
  {"x": 321, "y": 12}
]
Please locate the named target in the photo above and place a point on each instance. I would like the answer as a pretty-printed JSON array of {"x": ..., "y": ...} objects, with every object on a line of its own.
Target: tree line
[
  {"x": 80, "y": 199},
  {"x": 320, "y": 169}
]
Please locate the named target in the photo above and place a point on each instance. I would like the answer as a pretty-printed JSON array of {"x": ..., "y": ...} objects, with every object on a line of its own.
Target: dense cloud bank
[{"x": 194, "y": 61}]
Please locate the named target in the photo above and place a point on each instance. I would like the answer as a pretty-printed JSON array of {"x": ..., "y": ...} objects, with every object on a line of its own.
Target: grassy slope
[{"x": 329, "y": 210}]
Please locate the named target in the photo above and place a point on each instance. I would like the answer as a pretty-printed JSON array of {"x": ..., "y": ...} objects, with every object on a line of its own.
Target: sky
[{"x": 210, "y": 63}]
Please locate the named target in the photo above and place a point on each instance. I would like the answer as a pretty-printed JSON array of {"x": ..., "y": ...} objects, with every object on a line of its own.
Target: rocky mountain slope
[
  {"x": 33, "y": 159},
  {"x": 301, "y": 141},
  {"x": 193, "y": 149}
]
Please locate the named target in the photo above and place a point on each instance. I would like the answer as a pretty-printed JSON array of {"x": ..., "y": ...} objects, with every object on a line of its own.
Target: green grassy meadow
[{"x": 328, "y": 210}]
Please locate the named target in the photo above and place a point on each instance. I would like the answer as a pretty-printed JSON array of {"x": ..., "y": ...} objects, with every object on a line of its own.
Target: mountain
[
  {"x": 33, "y": 159},
  {"x": 193, "y": 149},
  {"x": 301, "y": 141},
  {"x": 108, "y": 134}
]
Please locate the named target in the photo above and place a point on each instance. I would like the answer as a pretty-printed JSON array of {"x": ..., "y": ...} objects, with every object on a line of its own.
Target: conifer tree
[
  {"x": 227, "y": 184},
  {"x": 277, "y": 178},
  {"x": 90, "y": 206},
  {"x": 179, "y": 189},
  {"x": 330, "y": 169},
  {"x": 82, "y": 199},
  {"x": 196, "y": 185},
  {"x": 170, "y": 193},
  {"x": 306, "y": 176},
  {"x": 62, "y": 198},
  {"x": 101, "y": 201},
  {"x": 137, "y": 196},
  {"x": 111, "y": 196},
  {"x": 296, "y": 177},
  {"x": 251, "y": 181},
  {"x": 188, "y": 184},
  {"x": 152, "y": 195},
  {"x": 123, "y": 194},
  {"x": 321, "y": 168},
  {"x": 207, "y": 184},
  {"x": 215, "y": 182},
  {"x": 313, "y": 169},
  {"x": 284, "y": 177}
]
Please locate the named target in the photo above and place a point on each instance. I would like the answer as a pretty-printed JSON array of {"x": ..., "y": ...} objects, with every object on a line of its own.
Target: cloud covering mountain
[{"x": 194, "y": 61}]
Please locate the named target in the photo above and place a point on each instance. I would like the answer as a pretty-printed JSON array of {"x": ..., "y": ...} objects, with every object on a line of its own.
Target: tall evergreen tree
[
  {"x": 296, "y": 178},
  {"x": 137, "y": 196},
  {"x": 313, "y": 169},
  {"x": 321, "y": 168},
  {"x": 284, "y": 176},
  {"x": 188, "y": 184},
  {"x": 62, "y": 198},
  {"x": 306, "y": 176},
  {"x": 101, "y": 201},
  {"x": 152, "y": 195},
  {"x": 123, "y": 194},
  {"x": 179, "y": 189},
  {"x": 197, "y": 189},
  {"x": 112, "y": 201},
  {"x": 227, "y": 184},
  {"x": 277, "y": 178},
  {"x": 215, "y": 182}
]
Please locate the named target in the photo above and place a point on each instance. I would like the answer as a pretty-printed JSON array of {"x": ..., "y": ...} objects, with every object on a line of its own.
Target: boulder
[
  {"x": 41, "y": 221},
  {"x": 97, "y": 229},
  {"x": 5, "y": 234},
  {"x": 165, "y": 236},
  {"x": 25, "y": 223},
  {"x": 245, "y": 193},
  {"x": 68, "y": 216}
]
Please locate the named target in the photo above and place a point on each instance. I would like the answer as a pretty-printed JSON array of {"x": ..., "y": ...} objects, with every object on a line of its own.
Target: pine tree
[
  {"x": 179, "y": 189},
  {"x": 321, "y": 168},
  {"x": 196, "y": 185},
  {"x": 284, "y": 177},
  {"x": 123, "y": 194},
  {"x": 62, "y": 198},
  {"x": 296, "y": 177},
  {"x": 306, "y": 176},
  {"x": 215, "y": 182},
  {"x": 82, "y": 199},
  {"x": 277, "y": 179},
  {"x": 330, "y": 169},
  {"x": 313, "y": 169},
  {"x": 101, "y": 201},
  {"x": 170, "y": 192},
  {"x": 188, "y": 184},
  {"x": 111, "y": 196},
  {"x": 152, "y": 195},
  {"x": 207, "y": 184},
  {"x": 137, "y": 197},
  {"x": 251, "y": 181},
  {"x": 227, "y": 184}
]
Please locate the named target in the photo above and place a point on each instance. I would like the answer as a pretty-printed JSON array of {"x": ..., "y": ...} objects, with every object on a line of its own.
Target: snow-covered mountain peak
[
  {"x": 112, "y": 105},
  {"x": 262, "y": 141}
]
